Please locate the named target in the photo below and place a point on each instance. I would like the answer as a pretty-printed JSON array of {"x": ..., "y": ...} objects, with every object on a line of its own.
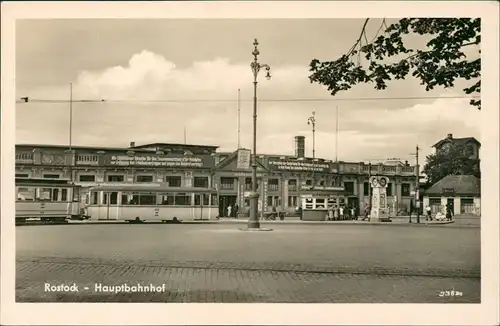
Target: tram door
[{"x": 110, "y": 201}]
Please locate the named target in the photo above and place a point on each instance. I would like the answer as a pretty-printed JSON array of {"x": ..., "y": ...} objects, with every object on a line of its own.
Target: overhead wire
[{"x": 250, "y": 100}]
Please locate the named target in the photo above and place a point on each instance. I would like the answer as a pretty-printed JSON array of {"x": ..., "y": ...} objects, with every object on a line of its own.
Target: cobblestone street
[{"x": 219, "y": 263}]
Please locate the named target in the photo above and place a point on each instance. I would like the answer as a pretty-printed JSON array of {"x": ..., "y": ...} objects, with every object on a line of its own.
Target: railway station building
[{"x": 281, "y": 178}]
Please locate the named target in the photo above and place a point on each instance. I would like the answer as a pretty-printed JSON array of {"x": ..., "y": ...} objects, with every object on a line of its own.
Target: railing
[{"x": 408, "y": 169}]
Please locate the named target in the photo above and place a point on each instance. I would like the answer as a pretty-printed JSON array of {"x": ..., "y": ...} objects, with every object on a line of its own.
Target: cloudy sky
[{"x": 193, "y": 69}]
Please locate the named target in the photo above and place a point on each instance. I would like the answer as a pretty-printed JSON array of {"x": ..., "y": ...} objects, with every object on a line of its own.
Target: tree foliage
[
  {"x": 455, "y": 160},
  {"x": 441, "y": 64}
]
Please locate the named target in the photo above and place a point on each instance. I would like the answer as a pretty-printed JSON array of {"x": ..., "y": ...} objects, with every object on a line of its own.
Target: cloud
[{"x": 367, "y": 129}]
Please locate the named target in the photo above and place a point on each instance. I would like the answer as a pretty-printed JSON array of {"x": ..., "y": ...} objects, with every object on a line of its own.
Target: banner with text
[
  {"x": 288, "y": 165},
  {"x": 158, "y": 161}
]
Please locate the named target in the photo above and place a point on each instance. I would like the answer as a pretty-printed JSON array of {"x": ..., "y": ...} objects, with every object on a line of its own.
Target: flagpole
[{"x": 337, "y": 135}]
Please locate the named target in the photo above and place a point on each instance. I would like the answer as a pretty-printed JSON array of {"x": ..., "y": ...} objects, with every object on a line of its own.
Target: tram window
[
  {"x": 25, "y": 194},
  {"x": 147, "y": 199},
  {"x": 206, "y": 198},
  {"x": 93, "y": 198},
  {"x": 124, "y": 199},
  {"x": 182, "y": 199},
  {"x": 55, "y": 194},
  {"x": 215, "y": 200},
  {"x": 309, "y": 200},
  {"x": 113, "y": 200},
  {"x": 44, "y": 194},
  {"x": 167, "y": 199},
  {"x": 64, "y": 194},
  {"x": 197, "y": 201}
]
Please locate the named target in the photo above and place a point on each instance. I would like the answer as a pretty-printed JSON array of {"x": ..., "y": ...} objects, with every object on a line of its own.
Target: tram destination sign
[
  {"x": 156, "y": 161},
  {"x": 293, "y": 165}
]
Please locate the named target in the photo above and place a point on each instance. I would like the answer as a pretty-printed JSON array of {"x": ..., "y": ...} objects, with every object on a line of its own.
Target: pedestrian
[
  {"x": 330, "y": 214},
  {"x": 449, "y": 212},
  {"x": 341, "y": 212},
  {"x": 336, "y": 213},
  {"x": 367, "y": 212},
  {"x": 229, "y": 209},
  {"x": 429, "y": 213},
  {"x": 353, "y": 213},
  {"x": 236, "y": 209}
]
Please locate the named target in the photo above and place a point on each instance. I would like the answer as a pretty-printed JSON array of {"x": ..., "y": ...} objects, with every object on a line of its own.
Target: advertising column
[{"x": 264, "y": 195}]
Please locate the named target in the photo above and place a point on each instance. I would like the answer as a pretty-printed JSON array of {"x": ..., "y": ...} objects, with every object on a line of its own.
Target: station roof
[{"x": 461, "y": 184}]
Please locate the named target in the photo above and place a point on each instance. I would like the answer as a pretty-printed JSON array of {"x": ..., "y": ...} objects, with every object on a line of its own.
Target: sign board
[
  {"x": 295, "y": 165},
  {"x": 155, "y": 161},
  {"x": 448, "y": 192},
  {"x": 243, "y": 159}
]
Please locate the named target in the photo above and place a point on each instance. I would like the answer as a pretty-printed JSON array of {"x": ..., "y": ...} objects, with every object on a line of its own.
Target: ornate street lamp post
[
  {"x": 312, "y": 121},
  {"x": 253, "y": 221}
]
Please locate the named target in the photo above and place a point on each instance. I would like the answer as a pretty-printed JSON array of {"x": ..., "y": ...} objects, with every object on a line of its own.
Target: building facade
[
  {"x": 280, "y": 178},
  {"x": 460, "y": 192}
]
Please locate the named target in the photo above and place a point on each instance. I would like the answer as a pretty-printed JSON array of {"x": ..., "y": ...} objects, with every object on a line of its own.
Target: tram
[
  {"x": 48, "y": 201},
  {"x": 134, "y": 203},
  {"x": 315, "y": 202}
]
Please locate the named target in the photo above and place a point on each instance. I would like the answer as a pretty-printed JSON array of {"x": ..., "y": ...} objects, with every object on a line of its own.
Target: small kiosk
[{"x": 316, "y": 201}]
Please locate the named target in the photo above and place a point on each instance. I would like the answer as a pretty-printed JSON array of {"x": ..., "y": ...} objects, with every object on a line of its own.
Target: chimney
[
  {"x": 450, "y": 136},
  {"x": 132, "y": 144},
  {"x": 300, "y": 146}
]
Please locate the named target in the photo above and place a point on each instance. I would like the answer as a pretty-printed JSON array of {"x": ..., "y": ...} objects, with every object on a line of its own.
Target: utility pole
[
  {"x": 239, "y": 119},
  {"x": 312, "y": 121},
  {"x": 417, "y": 184}
]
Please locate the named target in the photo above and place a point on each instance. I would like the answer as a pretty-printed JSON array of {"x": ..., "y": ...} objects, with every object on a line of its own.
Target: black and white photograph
[{"x": 234, "y": 158}]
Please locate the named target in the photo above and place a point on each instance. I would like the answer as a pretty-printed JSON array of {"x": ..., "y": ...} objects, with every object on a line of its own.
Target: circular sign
[
  {"x": 383, "y": 182},
  {"x": 374, "y": 182}
]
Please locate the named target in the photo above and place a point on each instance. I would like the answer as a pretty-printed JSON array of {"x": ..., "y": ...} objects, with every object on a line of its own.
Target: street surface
[{"x": 219, "y": 263}]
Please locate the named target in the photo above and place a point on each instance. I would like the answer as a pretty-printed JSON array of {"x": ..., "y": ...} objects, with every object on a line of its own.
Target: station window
[
  {"x": 86, "y": 178},
  {"x": 292, "y": 201},
  {"x": 115, "y": 178},
  {"x": 22, "y": 175},
  {"x": 86, "y": 158},
  {"x": 173, "y": 181},
  {"x": 389, "y": 189},
  {"x": 227, "y": 183},
  {"x": 248, "y": 183},
  {"x": 144, "y": 178},
  {"x": 273, "y": 184},
  {"x": 366, "y": 188},
  {"x": 309, "y": 182},
  {"x": 292, "y": 185},
  {"x": 349, "y": 187},
  {"x": 200, "y": 182},
  {"x": 51, "y": 176},
  {"x": 405, "y": 189},
  {"x": 24, "y": 156}
]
